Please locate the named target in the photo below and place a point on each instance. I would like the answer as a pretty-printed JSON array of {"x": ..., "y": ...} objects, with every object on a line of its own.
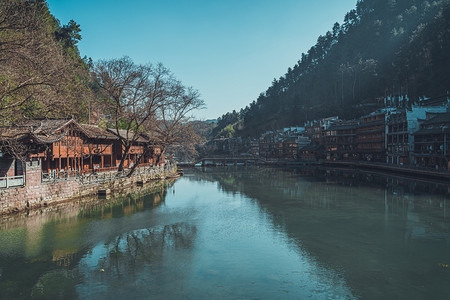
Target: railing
[
  {"x": 100, "y": 177},
  {"x": 105, "y": 175},
  {"x": 12, "y": 181},
  {"x": 55, "y": 176}
]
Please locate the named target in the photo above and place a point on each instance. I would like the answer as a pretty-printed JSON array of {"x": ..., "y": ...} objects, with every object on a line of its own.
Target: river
[{"x": 239, "y": 233}]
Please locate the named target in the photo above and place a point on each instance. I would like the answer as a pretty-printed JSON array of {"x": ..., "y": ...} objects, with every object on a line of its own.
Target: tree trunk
[
  {"x": 124, "y": 156},
  {"x": 138, "y": 161},
  {"x": 158, "y": 159}
]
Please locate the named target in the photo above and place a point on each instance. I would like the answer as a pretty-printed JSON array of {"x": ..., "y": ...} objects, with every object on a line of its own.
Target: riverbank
[
  {"x": 37, "y": 194},
  {"x": 87, "y": 205},
  {"x": 381, "y": 167},
  {"x": 402, "y": 170}
]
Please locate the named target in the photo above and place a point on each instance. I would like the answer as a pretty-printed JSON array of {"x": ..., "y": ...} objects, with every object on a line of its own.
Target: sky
[{"x": 229, "y": 50}]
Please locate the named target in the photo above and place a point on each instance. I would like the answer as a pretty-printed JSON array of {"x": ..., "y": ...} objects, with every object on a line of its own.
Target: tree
[
  {"x": 36, "y": 78},
  {"x": 132, "y": 94},
  {"x": 173, "y": 125},
  {"x": 144, "y": 100}
]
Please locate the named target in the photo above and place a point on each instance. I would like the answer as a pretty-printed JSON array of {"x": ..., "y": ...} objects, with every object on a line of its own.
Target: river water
[{"x": 239, "y": 233}]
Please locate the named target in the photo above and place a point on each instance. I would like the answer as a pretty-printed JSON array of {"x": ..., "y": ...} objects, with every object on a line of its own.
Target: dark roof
[
  {"x": 20, "y": 132},
  {"x": 434, "y": 130},
  {"x": 48, "y": 139},
  {"x": 313, "y": 147},
  {"x": 438, "y": 119},
  {"x": 342, "y": 126},
  {"x": 8, "y": 133},
  {"x": 127, "y": 135},
  {"x": 48, "y": 126},
  {"x": 93, "y": 131}
]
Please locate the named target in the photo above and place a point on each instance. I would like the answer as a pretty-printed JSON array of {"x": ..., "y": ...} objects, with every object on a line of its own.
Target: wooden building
[
  {"x": 67, "y": 146},
  {"x": 312, "y": 153},
  {"x": 397, "y": 138},
  {"x": 340, "y": 141},
  {"x": 431, "y": 143},
  {"x": 370, "y": 138}
]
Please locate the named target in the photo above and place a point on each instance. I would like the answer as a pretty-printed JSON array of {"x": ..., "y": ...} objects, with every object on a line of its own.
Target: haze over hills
[{"x": 383, "y": 48}]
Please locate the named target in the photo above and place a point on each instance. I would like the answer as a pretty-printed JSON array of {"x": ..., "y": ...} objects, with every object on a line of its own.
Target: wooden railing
[{"x": 12, "y": 181}]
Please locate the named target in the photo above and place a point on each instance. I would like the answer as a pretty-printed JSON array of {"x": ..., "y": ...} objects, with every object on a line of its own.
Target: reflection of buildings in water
[
  {"x": 34, "y": 241},
  {"x": 64, "y": 257}
]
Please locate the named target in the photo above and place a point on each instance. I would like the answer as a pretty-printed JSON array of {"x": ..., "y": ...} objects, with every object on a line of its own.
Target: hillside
[
  {"x": 384, "y": 47},
  {"x": 41, "y": 72}
]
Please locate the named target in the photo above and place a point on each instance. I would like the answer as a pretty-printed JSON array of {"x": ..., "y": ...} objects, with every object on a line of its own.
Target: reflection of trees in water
[
  {"x": 127, "y": 205},
  {"x": 37, "y": 252},
  {"x": 372, "y": 225},
  {"x": 300, "y": 182},
  {"x": 140, "y": 248}
]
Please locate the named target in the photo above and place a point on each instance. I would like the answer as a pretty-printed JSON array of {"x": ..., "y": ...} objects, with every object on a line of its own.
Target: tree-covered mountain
[
  {"x": 41, "y": 72},
  {"x": 384, "y": 47}
]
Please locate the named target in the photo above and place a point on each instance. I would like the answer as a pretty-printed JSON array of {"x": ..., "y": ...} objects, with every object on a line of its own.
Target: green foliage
[
  {"x": 227, "y": 132},
  {"x": 42, "y": 73},
  {"x": 226, "y": 123},
  {"x": 384, "y": 47}
]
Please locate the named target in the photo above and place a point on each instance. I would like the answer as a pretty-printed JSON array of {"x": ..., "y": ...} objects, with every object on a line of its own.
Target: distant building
[
  {"x": 400, "y": 126},
  {"x": 370, "y": 137},
  {"x": 431, "y": 142},
  {"x": 315, "y": 130},
  {"x": 312, "y": 153},
  {"x": 340, "y": 141}
]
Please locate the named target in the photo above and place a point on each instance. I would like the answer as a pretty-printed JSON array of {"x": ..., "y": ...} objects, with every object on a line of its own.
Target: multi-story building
[
  {"x": 397, "y": 137},
  {"x": 400, "y": 126},
  {"x": 254, "y": 147},
  {"x": 431, "y": 142},
  {"x": 340, "y": 141},
  {"x": 370, "y": 137},
  {"x": 315, "y": 130}
]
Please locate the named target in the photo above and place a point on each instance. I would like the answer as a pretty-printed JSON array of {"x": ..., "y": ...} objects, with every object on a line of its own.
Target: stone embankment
[
  {"x": 404, "y": 170},
  {"x": 36, "y": 193}
]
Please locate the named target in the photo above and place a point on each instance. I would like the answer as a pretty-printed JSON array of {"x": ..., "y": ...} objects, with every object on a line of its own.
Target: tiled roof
[
  {"x": 313, "y": 147},
  {"x": 13, "y": 132},
  {"x": 19, "y": 132},
  {"x": 48, "y": 126},
  {"x": 342, "y": 126},
  {"x": 127, "y": 135},
  {"x": 93, "y": 131},
  {"x": 434, "y": 130},
  {"x": 438, "y": 119}
]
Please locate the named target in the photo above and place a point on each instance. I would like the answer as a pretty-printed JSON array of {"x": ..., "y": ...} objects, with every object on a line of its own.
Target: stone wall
[{"x": 37, "y": 194}]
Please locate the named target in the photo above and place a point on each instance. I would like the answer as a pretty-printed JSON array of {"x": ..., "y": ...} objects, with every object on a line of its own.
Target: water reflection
[
  {"x": 134, "y": 263},
  {"x": 390, "y": 236},
  {"x": 239, "y": 233},
  {"x": 38, "y": 251}
]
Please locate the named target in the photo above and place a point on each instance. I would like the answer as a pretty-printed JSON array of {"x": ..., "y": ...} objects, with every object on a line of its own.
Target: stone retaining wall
[{"x": 37, "y": 194}]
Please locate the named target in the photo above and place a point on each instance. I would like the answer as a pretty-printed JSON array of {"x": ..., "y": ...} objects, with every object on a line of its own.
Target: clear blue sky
[{"x": 229, "y": 50}]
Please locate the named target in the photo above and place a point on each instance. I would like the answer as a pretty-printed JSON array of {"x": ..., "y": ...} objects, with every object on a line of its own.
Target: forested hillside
[
  {"x": 41, "y": 72},
  {"x": 384, "y": 47}
]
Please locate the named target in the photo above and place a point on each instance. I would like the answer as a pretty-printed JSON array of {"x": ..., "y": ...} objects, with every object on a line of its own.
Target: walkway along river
[{"x": 239, "y": 232}]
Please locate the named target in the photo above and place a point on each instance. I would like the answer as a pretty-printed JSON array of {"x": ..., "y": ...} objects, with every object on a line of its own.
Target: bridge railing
[{"x": 230, "y": 159}]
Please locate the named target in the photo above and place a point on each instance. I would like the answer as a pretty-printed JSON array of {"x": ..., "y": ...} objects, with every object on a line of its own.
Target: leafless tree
[
  {"x": 174, "y": 125},
  {"x": 145, "y": 100},
  {"x": 133, "y": 93}
]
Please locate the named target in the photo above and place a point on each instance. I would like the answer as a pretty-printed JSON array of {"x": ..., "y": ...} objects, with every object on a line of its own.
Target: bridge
[{"x": 226, "y": 161}]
